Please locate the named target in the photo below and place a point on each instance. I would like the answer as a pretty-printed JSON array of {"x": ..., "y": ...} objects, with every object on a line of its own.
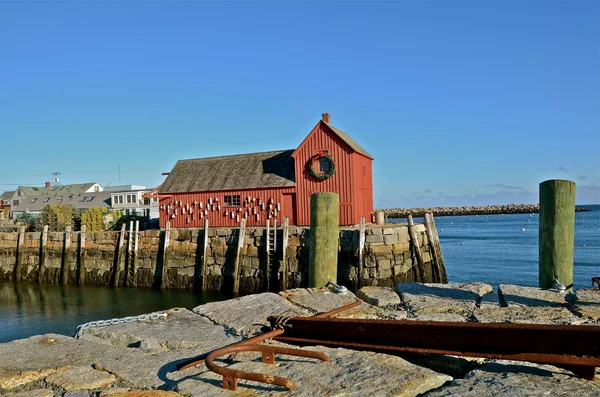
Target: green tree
[
  {"x": 29, "y": 220},
  {"x": 57, "y": 217}
]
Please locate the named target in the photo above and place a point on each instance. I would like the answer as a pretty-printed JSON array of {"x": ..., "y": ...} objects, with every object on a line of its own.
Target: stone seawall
[
  {"x": 181, "y": 260},
  {"x": 140, "y": 358},
  {"x": 469, "y": 210}
]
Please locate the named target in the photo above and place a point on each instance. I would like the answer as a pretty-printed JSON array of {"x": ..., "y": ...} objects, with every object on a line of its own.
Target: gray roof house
[{"x": 82, "y": 195}]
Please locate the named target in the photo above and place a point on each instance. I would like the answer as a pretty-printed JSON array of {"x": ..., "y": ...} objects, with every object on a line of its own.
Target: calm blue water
[
  {"x": 28, "y": 309},
  {"x": 495, "y": 249},
  {"x": 489, "y": 248}
]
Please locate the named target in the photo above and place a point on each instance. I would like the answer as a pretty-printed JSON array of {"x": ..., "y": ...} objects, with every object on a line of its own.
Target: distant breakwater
[{"x": 469, "y": 210}]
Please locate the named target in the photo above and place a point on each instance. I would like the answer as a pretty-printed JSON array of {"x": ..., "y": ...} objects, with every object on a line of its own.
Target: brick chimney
[
  {"x": 47, "y": 184},
  {"x": 326, "y": 117}
]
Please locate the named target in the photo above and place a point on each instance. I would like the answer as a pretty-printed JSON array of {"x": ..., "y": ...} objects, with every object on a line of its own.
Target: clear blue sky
[{"x": 459, "y": 102}]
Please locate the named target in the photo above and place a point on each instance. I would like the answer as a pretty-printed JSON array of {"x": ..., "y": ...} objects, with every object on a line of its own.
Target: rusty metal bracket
[
  {"x": 231, "y": 376},
  {"x": 596, "y": 280},
  {"x": 192, "y": 362}
]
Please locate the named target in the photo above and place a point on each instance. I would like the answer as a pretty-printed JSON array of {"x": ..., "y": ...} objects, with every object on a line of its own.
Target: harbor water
[{"x": 496, "y": 249}]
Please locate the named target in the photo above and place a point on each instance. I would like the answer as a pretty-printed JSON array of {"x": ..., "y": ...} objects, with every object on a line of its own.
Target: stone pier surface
[{"x": 140, "y": 358}]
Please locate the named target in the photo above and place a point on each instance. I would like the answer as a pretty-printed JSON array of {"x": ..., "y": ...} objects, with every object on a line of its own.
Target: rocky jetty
[
  {"x": 139, "y": 358},
  {"x": 469, "y": 210}
]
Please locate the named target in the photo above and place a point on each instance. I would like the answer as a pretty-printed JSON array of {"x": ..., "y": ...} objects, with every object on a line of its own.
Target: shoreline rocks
[
  {"x": 468, "y": 210},
  {"x": 140, "y": 358}
]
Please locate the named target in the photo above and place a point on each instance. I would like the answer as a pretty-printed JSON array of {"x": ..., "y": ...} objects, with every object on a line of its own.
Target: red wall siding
[
  {"x": 216, "y": 217},
  {"x": 342, "y": 181},
  {"x": 363, "y": 193}
]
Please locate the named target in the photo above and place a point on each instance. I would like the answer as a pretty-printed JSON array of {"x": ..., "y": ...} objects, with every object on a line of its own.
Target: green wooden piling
[
  {"x": 557, "y": 233},
  {"x": 324, "y": 238}
]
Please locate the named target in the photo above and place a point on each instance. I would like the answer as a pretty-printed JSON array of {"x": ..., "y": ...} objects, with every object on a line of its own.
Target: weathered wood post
[
  {"x": 204, "y": 271},
  {"x": 437, "y": 275},
  {"x": 43, "y": 254},
  {"x": 166, "y": 241},
  {"x": 284, "y": 245},
  {"x": 129, "y": 256},
  {"x": 557, "y": 233},
  {"x": 324, "y": 238},
  {"x": 119, "y": 266},
  {"x": 136, "y": 234},
  {"x": 81, "y": 256},
  {"x": 64, "y": 266},
  {"x": 361, "y": 250},
  {"x": 415, "y": 243},
  {"x": 268, "y": 255},
  {"x": 19, "y": 261},
  {"x": 238, "y": 259}
]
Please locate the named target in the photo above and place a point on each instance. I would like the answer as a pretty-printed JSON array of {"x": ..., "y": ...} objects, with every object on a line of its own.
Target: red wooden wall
[
  {"x": 354, "y": 187},
  {"x": 188, "y": 213}
]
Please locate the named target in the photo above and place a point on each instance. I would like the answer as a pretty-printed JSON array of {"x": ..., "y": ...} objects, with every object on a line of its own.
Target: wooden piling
[
  {"x": 43, "y": 254},
  {"x": 165, "y": 247},
  {"x": 81, "y": 254},
  {"x": 557, "y": 233},
  {"x": 238, "y": 259},
  {"x": 438, "y": 249},
  {"x": 324, "y": 238},
  {"x": 64, "y": 264},
  {"x": 268, "y": 255},
  {"x": 284, "y": 245},
  {"x": 204, "y": 271},
  {"x": 129, "y": 256},
  {"x": 361, "y": 250},
  {"x": 437, "y": 274},
  {"x": 119, "y": 265},
  {"x": 135, "y": 254},
  {"x": 19, "y": 260},
  {"x": 415, "y": 243}
]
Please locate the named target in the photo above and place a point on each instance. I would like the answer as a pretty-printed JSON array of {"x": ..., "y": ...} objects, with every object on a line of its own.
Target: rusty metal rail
[
  {"x": 230, "y": 375},
  {"x": 574, "y": 347}
]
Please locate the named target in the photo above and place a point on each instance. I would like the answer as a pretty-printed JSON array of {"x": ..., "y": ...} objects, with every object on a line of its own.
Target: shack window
[
  {"x": 232, "y": 201},
  {"x": 131, "y": 199},
  {"x": 324, "y": 163}
]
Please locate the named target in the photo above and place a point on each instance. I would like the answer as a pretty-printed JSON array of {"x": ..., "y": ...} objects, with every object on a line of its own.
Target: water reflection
[{"x": 29, "y": 309}]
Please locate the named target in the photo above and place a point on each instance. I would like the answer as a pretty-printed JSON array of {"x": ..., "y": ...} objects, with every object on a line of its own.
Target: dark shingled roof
[
  {"x": 242, "y": 171},
  {"x": 7, "y": 195},
  {"x": 349, "y": 141}
]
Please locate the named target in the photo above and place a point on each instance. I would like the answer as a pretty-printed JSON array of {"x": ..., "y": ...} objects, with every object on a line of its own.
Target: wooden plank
[
  {"x": 432, "y": 248},
  {"x": 119, "y": 260},
  {"x": 204, "y": 271},
  {"x": 415, "y": 243},
  {"x": 81, "y": 254},
  {"x": 361, "y": 250},
  {"x": 275, "y": 238},
  {"x": 43, "y": 253},
  {"x": 136, "y": 234},
  {"x": 128, "y": 256},
  {"x": 284, "y": 245},
  {"x": 438, "y": 248},
  {"x": 238, "y": 259},
  {"x": 64, "y": 265},
  {"x": 268, "y": 255},
  {"x": 165, "y": 247},
  {"x": 19, "y": 260}
]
